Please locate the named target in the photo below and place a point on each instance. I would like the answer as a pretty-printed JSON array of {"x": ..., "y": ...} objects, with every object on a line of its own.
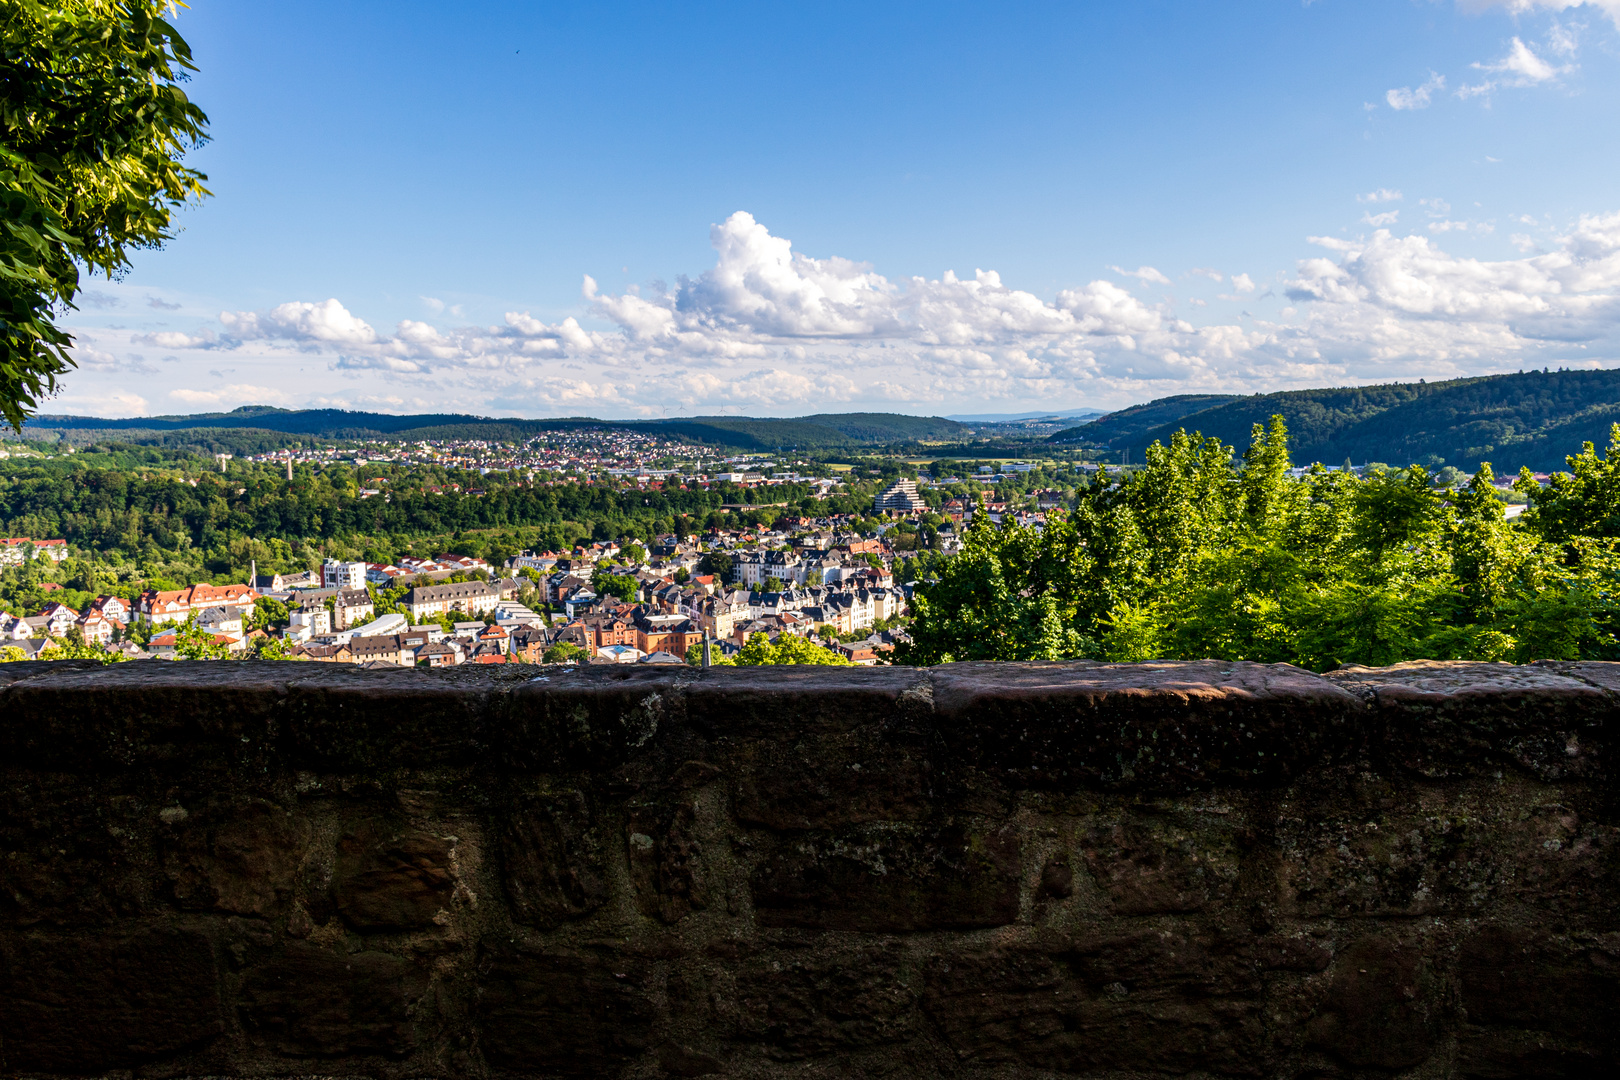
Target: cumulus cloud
[
  {"x": 328, "y": 322},
  {"x": 1406, "y": 98},
  {"x": 1389, "y": 217},
  {"x": 1383, "y": 194},
  {"x": 768, "y": 328}
]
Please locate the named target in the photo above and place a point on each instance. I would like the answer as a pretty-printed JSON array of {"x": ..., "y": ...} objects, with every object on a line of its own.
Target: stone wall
[{"x": 1021, "y": 870}]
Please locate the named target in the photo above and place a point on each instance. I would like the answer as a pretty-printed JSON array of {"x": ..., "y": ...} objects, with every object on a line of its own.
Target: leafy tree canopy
[
  {"x": 93, "y": 125},
  {"x": 1196, "y": 556}
]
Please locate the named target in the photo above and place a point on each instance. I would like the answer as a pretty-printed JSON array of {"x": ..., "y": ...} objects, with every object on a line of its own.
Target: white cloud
[
  {"x": 1611, "y": 8},
  {"x": 1406, "y": 98},
  {"x": 327, "y": 322},
  {"x": 1388, "y": 218},
  {"x": 1204, "y": 271},
  {"x": 769, "y": 329},
  {"x": 1521, "y": 67},
  {"x": 1383, "y": 194},
  {"x": 174, "y": 339},
  {"x": 1146, "y": 274}
]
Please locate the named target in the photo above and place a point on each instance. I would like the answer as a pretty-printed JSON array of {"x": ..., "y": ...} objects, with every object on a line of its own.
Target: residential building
[
  {"x": 14, "y": 549},
  {"x": 757, "y": 568},
  {"x": 437, "y": 654},
  {"x": 309, "y": 621},
  {"x": 177, "y": 606},
  {"x": 115, "y": 608},
  {"x": 471, "y": 597},
  {"x": 351, "y": 607},
  {"x": 327, "y": 654},
  {"x": 388, "y": 649},
  {"x": 227, "y": 621},
  {"x": 336, "y": 574},
  {"x": 666, "y": 633},
  {"x": 59, "y": 618}
]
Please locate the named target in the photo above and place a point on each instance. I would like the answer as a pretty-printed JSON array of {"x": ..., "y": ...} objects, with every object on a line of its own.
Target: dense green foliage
[
  {"x": 1530, "y": 419},
  {"x": 1193, "y": 556},
  {"x": 93, "y": 125}
]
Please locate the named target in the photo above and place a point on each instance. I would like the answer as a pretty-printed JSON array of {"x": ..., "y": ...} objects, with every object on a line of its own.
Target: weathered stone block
[
  {"x": 317, "y": 1001},
  {"x": 1149, "y": 865},
  {"x": 954, "y": 874},
  {"x": 804, "y": 1006},
  {"x": 665, "y": 854},
  {"x": 792, "y": 702},
  {"x": 1519, "y": 977},
  {"x": 387, "y": 880},
  {"x": 1383, "y": 1007},
  {"x": 91, "y": 1003},
  {"x": 581, "y": 1015},
  {"x": 173, "y": 719},
  {"x": 240, "y": 858},
  {"x": 349, "y": 719},
  {"x": 1148, "y": 1002},
  {"x": 1448, "y": 718},
  {"x": 552, "y": 859}
]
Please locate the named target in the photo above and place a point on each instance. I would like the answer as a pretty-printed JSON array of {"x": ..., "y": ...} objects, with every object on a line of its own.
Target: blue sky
[{"x": 989, "y": 207}]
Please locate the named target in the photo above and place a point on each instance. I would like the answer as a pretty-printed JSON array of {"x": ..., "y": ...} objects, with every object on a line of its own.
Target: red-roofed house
[
  {"x": 161, "y": 607},
  {"x": 14, "y": 548}
]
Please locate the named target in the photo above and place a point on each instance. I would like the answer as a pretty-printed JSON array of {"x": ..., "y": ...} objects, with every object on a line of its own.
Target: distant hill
[
  {"x": 1014, "y": 417},
  {"x": 1120, "y": 427},
  {"x": 822, "y": 431},
  {"x": 1533, "y": 418}
]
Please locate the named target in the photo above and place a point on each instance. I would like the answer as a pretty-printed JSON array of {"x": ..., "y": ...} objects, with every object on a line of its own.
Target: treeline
[
  {"x": 149, "y": 506},
  {"x": 1195, "y": 556}
]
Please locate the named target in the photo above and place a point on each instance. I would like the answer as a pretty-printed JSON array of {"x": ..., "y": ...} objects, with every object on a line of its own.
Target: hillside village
[{"x": 817, "y": 579}]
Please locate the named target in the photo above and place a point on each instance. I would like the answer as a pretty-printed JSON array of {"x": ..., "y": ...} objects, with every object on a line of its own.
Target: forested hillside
[
  {"x": 1532, "y": 419},
  {"x": 822, "y": 431},
  {"x": 1118, "y": 428}
]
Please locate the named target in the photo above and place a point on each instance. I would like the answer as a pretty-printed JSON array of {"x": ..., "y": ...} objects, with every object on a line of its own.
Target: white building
[
  {"x": 899, "y": 497},
  {"x": 343, "y": 575}
]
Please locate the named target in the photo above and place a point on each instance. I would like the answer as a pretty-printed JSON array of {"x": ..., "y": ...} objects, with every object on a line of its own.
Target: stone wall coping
[{"x": 1031, "y": 724}]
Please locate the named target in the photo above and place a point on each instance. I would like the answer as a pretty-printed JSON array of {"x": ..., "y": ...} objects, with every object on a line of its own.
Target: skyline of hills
[{"x": 1531, "y": 418}]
